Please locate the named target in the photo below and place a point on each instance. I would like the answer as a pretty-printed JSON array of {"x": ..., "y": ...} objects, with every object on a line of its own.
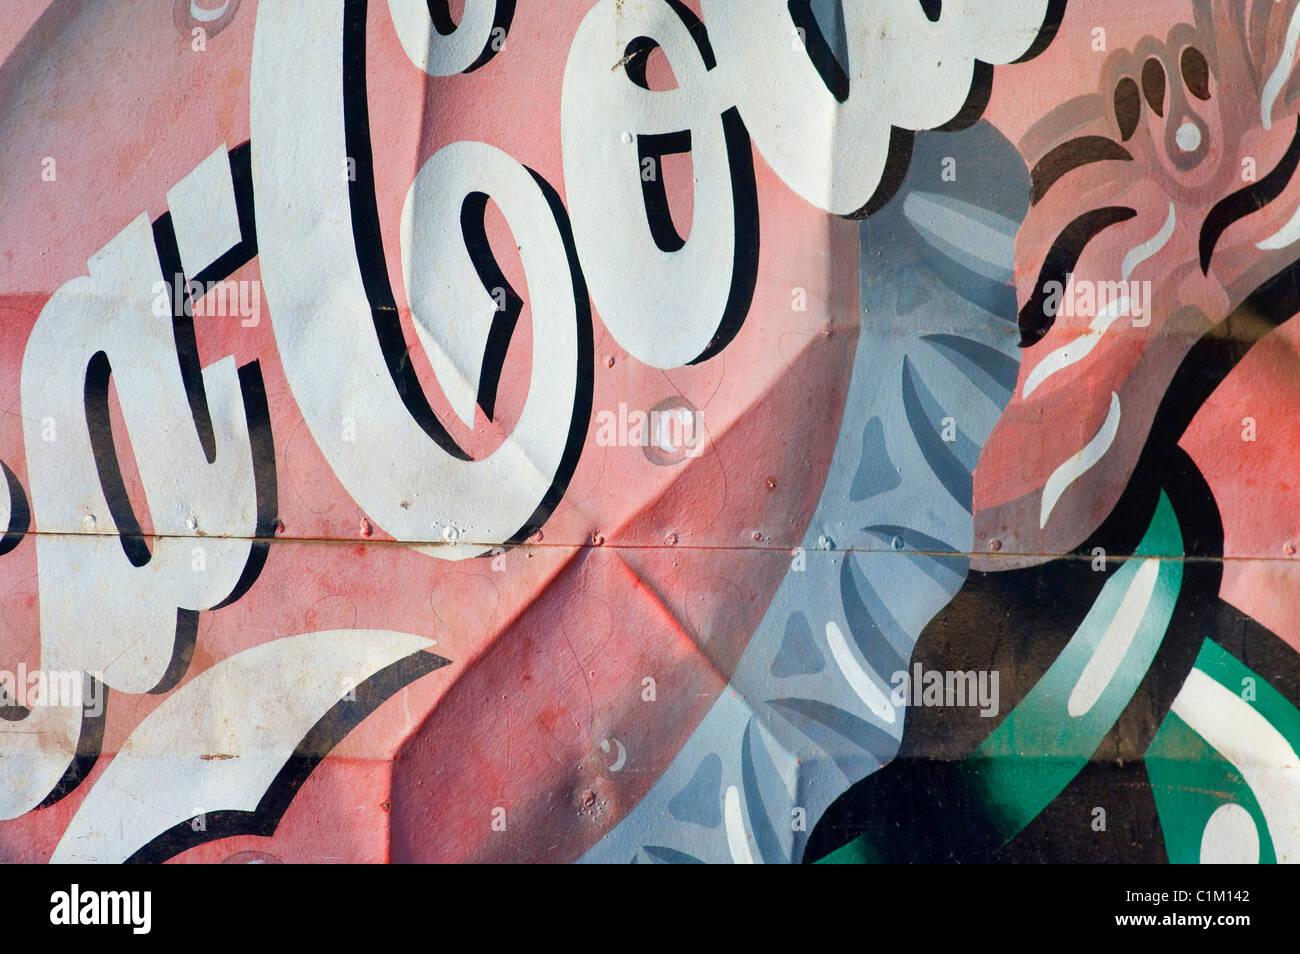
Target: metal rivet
[
  {"x": 366, "y": 528},
  {"x": 995, "y": 545}
]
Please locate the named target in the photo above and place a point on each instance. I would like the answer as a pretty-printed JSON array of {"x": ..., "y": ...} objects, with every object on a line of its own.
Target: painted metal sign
[{"x": 649, "y": 431}]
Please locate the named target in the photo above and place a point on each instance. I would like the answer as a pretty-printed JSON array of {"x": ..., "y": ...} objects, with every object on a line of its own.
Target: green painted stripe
[
  {"x": 1039, "y": 748},
  {"x": 1229, "y": 672},
  {"x": 1190, "y": 781}
]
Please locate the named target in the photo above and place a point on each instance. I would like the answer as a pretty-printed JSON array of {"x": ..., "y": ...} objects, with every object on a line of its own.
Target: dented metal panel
[{"x": 640, "y": 431}]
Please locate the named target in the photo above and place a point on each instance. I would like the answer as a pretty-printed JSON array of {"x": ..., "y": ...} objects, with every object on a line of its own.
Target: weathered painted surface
[{"x": 648, "y": 431}]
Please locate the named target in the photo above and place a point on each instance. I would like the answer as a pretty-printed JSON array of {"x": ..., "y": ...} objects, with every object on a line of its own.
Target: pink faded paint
[{"x": 548, "y": 654}]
